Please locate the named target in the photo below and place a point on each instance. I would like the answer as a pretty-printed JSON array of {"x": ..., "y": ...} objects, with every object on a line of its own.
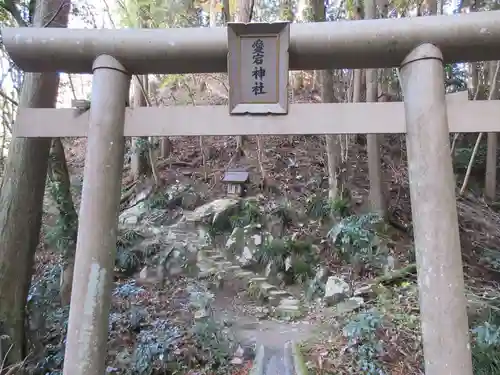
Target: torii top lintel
[{"x": 324, "y": 45}]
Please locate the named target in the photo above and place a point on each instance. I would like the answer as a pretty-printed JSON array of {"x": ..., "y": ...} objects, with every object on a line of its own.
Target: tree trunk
[
  {"x": 491, "y": 156},
  {"x": 61, "y": 194},
  {"x": 21, "y": 197},
  {"x": 139, "y": 164},
  {"x": 305, "y": 13},
  {"x": 286, "y": 14},
  {"x": 213, "y": 13},
  {"x": 376, "y": 196},
  {"x": 333, "y": 147},
  {"x": 226, "y": 11}
]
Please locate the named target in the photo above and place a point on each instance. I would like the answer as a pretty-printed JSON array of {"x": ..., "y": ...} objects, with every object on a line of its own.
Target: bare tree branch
[{"x": 8, "y": 98}]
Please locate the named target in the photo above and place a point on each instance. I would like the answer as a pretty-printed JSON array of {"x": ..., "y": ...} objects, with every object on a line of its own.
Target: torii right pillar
[{"x": 443, "y": 313}]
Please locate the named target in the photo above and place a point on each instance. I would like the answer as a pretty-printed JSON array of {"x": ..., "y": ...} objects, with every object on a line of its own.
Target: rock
[
  {"x": 349, "y": 305},
  {"x": 322, "y": 274},
  {"x": 316, "y": 287},
  {"x": 150, "y": 274},
  {"x": 336, "y": 290},
  {"x": 137, "y": 317},
  {"x": 237, "y": 361},
  {"x": 142, "y": 195},
  {"x": 271, "y": 269},
  {"x": 261, "y": 312},
  {"x": 236, "y": 239},
  {"x": 246, "y": 257},
  {"x": 132, "y": 215},
  {"x": 373, "y": 291},
  {"x": 211, "y": 212},
  {"x": 254, "y": 239},
  {"x": 144, "y": 273},
  {"x": 175, "y": 194},
  {"x": 275, "y": 227},
  {"x": 201, "y": 313},
  {"x": 390, "y": 264},
  {"x": 177, "y": 258},
  {"x": 190, "y": 200},
  {"x": 239, "y": 351},
  {"x": 244, "y": 244}
]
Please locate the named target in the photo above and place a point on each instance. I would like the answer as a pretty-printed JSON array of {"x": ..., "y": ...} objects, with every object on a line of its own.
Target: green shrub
[
  {"x": 486, "y": 349},
  {"x": 294, "y": 259},
  {"x": 356, "y": 239},
  {"x": 361, "y": 333}
]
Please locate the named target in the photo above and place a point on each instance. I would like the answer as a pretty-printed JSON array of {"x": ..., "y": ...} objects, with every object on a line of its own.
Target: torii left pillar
[{"x": 86, "y": 342}]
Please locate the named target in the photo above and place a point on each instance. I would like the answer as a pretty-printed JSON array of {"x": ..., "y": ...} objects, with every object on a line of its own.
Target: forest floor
[{"x": 381, "y": 336}]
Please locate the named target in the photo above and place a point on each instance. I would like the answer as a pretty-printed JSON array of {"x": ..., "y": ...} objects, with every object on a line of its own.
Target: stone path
[
  {"x": 271, "y": 334},
  {"x": 281, "y": 302},
  {"x": 267, "y": 335},
  {"x": 266, "y": 316}
]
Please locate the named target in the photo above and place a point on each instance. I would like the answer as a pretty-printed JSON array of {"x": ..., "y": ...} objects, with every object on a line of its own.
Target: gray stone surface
[{"x": 283, "y": 361}]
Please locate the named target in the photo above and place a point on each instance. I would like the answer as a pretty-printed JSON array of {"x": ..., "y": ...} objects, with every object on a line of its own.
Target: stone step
[
  {"x": 266, "y": 288},
  {"x": 210, "y": 251},
  {"x": 276, "y": 296},
  {"x": 279, "y": 293},
  {"x": 290, "y": 301},
  {"x": 288, "y": 312},
  {"x": 217, "y": 258},
  {"x": 202, "y": 254},
  {"x": 257, "y": 279},
  {"x": 289, "y": 308},
  {"x": 222, "y": 265},
  {"x": 269, "y": 361},
  {"x": 206, "y": 246},
  {"x": 273, "y": 301},
  {"x": 284, "y": 304},
  {"x": 244, "y": 274},
  {"x": 209, "y": 272}
]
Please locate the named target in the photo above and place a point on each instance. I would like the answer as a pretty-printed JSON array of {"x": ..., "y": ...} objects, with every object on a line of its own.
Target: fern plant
[
  {"x": 361, "y": 334},
  {"x": 157, "y": 200},
  {"x": 338, "y": 207},
  {"x": 249, "y": 213},
  {"x": 284, "y": 212},
  {"x": 321, "y": 208},
  {"x": 207, "y": 331},
  {"x": 293, "y": 259},
  {"x": 316, "y": 207},
  {"x": 355, "y": 237},
  {"x": 60, "y": 235},
  {"x": 127, "y": 261},
  {"x": 128, "y": 237},
  {"x": 486, "y": 349}
]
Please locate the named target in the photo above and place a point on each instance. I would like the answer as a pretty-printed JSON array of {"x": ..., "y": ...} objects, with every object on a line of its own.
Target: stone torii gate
[{"x": 418, "y": 45}]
